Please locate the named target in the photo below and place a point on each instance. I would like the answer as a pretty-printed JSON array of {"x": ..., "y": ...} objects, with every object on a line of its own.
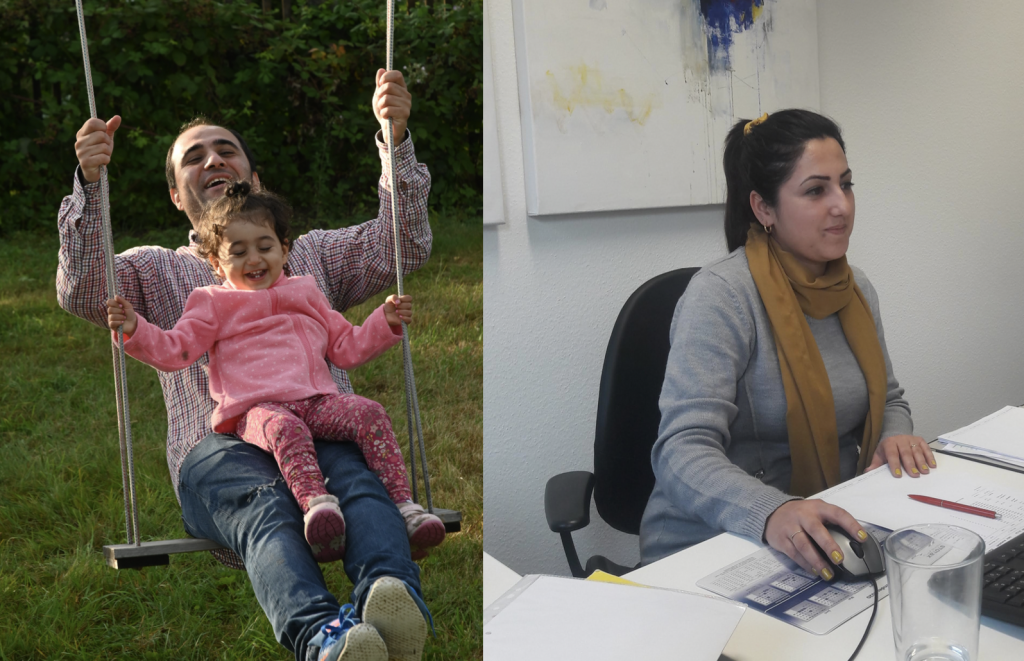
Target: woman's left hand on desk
[{"x": 912, "y": 452}]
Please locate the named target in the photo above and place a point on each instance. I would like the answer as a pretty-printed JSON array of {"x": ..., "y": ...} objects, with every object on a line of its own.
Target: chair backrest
[{"x": 627, "y": 405}]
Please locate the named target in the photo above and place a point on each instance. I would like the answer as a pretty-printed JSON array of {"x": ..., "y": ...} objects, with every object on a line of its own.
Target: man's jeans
[{"x": 233, "y": 493}]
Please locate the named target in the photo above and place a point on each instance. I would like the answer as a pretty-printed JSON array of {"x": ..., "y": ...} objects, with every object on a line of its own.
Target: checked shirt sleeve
[
  {"x": 359, "y": 261},
  {"x": 81, "y": 271}
]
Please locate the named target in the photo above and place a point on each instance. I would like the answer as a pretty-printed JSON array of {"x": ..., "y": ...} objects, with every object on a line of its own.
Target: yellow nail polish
[
  {"x": 914, "y": 471},
  {"x": 899, "y": 473},
  {"x": 924, "y": 469},
  {"x": 826, "y": 573},
  {"x": 862, "y": 534},
  {"x": 933, "y": 464},
  {"x": 837, "y": 557}
]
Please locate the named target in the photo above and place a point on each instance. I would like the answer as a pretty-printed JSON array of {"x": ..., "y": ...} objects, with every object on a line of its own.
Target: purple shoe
[
  {"x": 425, "y": 529},
  {"x": 325, "y": 529}
]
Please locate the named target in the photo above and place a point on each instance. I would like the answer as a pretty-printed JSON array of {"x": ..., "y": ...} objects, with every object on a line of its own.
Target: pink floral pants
[{"x": 287, "y": 430}]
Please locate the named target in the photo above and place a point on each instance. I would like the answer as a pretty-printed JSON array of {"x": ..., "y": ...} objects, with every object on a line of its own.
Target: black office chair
[{"x": 627, "y": 424}]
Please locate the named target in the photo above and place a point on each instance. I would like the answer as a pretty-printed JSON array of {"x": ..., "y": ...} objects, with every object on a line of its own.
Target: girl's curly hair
[{"x": 240, "y": 202}]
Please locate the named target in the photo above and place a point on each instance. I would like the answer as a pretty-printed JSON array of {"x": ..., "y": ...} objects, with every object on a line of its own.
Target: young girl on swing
[{"x": 267, "y": 335}]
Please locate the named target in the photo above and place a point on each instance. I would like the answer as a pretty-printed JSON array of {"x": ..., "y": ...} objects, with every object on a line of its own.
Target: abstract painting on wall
[{"x": 625, "y": 105}]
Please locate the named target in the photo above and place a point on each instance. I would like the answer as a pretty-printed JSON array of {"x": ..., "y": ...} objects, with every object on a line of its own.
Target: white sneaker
[
  {"x": 399, "y": 616},
  {"x": 325, "y": 529}
]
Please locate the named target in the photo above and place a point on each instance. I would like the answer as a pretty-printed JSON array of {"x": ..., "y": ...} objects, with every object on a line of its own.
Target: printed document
[
  {"x": 1001, "y": 433},
  {"x": 879, "y": 497},
  {"x": 769, "y": 582}
]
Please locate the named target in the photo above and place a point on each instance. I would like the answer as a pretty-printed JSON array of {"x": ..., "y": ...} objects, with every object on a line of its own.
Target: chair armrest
[{"x": 567, "y": 501}]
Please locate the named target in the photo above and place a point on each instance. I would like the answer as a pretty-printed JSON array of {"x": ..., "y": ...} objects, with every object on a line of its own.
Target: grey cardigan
[{"x": 721, "y": 462}]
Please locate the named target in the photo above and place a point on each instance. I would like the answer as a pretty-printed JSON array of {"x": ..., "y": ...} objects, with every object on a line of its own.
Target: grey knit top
[{"x": 721, "y": 461}]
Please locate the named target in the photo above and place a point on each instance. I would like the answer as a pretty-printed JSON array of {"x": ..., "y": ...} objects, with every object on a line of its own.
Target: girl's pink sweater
[{"x": 264, "y": 346}]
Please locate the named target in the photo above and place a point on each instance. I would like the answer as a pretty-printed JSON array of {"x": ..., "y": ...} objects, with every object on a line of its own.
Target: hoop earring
[{"x": 767, "y": 228}]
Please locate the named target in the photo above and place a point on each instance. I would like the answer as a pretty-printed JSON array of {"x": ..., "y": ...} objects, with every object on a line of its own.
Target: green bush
[{"x": 298, "y": 90}]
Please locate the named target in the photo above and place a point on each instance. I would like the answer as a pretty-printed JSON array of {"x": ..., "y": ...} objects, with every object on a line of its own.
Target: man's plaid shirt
[{"x": 350, "y": 265}]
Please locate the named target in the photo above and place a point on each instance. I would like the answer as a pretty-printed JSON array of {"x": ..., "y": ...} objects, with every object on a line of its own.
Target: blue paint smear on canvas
[{"x": 722, "y": 18}]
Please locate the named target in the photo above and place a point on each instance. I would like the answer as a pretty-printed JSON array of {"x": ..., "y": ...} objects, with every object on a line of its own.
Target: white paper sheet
[
  {"x": 949, "y": 446},
  {"x": 1001, "y": 432},
  {"x": 882, "y": 499},
  {"x": 551, "y": 618}
]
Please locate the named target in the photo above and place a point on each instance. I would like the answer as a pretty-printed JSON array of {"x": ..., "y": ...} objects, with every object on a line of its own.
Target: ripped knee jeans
[{"x": 233, "y": 493}]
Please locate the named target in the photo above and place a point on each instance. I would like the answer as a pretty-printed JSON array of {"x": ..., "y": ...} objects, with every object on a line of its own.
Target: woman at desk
[{"x": 778, "y": 383}]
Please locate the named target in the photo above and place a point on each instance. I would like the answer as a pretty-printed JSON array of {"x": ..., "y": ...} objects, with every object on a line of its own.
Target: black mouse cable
[{"x": 874, "y": 609}]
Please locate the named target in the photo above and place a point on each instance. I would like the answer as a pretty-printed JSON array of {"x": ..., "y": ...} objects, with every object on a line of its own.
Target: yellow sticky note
[{"x": 605, "y": 577}]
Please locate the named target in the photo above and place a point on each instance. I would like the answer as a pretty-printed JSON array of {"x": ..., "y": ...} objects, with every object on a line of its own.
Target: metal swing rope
[
  {"x": 412, "y": 406},
  {"x": 124, "y": 427}
]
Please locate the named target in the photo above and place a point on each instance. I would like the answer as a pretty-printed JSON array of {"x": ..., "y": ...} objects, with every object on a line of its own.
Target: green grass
[{"x": 60, "y": 481}]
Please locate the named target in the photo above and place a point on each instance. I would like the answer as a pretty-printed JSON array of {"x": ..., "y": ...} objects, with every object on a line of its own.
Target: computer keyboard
[{"x": 1003, "y": 594}]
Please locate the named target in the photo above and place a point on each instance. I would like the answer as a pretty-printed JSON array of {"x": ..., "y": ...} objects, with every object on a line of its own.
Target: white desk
[
  {"x": 760, "y": 637},
  {"x": 498, "y": 579}
]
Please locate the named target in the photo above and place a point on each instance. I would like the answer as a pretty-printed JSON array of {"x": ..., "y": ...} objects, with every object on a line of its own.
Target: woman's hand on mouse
[
  {"x": 791, "y": 527},
  {"x": 912, "y": 452}
]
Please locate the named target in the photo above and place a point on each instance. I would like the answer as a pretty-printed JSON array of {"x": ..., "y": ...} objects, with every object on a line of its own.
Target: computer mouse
[{"x": 860, "y": 558}]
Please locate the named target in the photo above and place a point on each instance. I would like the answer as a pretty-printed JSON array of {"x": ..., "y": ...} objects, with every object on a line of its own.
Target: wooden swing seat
[{"x": 154, "y": 554}]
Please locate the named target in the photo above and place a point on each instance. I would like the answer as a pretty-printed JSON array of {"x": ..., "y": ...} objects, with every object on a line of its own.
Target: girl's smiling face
[
  {"x": 250, "y": 256},
  {"x": 813, "y": 217}
]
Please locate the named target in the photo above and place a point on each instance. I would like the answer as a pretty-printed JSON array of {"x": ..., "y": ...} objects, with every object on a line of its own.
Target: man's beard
[{"x": 194, "y": 207}]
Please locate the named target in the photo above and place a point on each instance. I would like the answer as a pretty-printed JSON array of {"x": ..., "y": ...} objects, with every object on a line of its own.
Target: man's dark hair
[
  {"x": 200, "y": 120},
  {"x": 241, "y": 203},
  {"x": 762, "y": 159}
]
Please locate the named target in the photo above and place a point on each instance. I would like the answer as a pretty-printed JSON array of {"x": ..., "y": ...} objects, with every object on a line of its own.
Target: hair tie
[
  {"x": 754, "y": 122},
  {"x": 238, "y": 189}
]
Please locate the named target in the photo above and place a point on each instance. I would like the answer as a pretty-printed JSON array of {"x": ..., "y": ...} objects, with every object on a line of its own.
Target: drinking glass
[{"x": 935, "y": 580}]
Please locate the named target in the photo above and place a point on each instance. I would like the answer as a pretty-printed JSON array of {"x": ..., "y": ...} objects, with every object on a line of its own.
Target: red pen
[{"x": 950, "y": 505}]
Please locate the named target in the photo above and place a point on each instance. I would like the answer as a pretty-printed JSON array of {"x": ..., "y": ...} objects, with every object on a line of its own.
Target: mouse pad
[{"x": 768, "y": 581}]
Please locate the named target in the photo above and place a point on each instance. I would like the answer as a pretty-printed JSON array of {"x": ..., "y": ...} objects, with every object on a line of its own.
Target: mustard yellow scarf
[{"x": 789, "y": 292}]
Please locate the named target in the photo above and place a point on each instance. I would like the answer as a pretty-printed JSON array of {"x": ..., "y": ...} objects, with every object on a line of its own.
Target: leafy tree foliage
[{"x": 298, "y": 89}]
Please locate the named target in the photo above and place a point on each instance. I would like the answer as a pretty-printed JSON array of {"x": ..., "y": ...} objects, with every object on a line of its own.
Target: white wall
[{"x": 930, "y": 96}]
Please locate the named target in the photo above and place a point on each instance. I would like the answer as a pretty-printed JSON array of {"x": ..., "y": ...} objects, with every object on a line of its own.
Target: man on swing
[{"x": 230, "y": 491}]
